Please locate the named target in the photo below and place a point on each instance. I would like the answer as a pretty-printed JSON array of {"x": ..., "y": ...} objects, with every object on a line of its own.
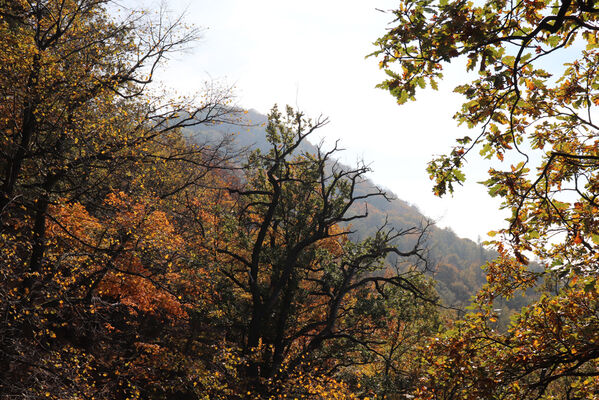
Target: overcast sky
[{"x": 311, "y": 54}]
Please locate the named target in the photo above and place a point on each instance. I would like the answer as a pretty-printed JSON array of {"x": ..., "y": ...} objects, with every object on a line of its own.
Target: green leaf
[{"x": 403, "y": 97}]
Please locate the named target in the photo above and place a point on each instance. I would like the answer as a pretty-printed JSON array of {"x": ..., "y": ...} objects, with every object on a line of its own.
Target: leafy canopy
[{"x": 536, "y": 117}]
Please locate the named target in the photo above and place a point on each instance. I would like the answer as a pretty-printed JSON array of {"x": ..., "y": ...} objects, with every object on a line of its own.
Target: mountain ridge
[{"x": 457, "y": 261}]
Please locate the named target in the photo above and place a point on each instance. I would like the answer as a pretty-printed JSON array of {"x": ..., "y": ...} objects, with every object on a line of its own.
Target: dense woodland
[{"x": 147, "y": 254}]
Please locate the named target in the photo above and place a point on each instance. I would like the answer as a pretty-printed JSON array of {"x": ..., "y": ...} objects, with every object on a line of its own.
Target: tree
[
  {"x": 89, "y": 159},
  {"x": 301, "y": 291},
  {"x": 537, "y": 119},
  {"x": 76, "y": 108}
]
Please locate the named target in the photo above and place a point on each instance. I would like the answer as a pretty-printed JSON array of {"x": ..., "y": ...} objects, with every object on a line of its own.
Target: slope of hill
[{"x": 456, "y": 262}]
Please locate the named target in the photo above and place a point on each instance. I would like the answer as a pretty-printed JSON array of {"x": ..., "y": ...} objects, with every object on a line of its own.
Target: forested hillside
[
  {"x": 136, "y": 264},
  {"x": 146, "y": 254},
  {"x": 454, "y": 262}
]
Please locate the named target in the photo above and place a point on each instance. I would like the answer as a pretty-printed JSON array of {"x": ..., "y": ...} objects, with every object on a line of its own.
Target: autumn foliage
[
  {"x": 137, "y": 263},
  {"x": 534, "y": 118}
]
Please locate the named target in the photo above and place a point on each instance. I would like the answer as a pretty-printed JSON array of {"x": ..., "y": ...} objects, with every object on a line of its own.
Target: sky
[{"x": 311, "y": 55}]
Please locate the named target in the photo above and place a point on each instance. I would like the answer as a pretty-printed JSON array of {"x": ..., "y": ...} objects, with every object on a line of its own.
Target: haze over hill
[{"x": 456, "y": 262}]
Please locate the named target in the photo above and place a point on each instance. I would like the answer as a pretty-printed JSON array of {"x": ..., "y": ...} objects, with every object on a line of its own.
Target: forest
[{"x": 146, "y": 252}]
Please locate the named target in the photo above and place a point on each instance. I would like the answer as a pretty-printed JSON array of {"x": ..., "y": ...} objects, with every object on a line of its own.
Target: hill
[{"x": 456, "y": 262}]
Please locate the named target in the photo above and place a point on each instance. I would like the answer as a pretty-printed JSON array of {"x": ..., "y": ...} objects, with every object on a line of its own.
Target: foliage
[
  {"x": 302, "y": 291},
  {"x": 134, "y": 264},
  {"x": 549, "y": 351},
  {"x": 537, "y": 120},
  {"x": 92, "y": 278},
  {"x": 456, "y": 262}
]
